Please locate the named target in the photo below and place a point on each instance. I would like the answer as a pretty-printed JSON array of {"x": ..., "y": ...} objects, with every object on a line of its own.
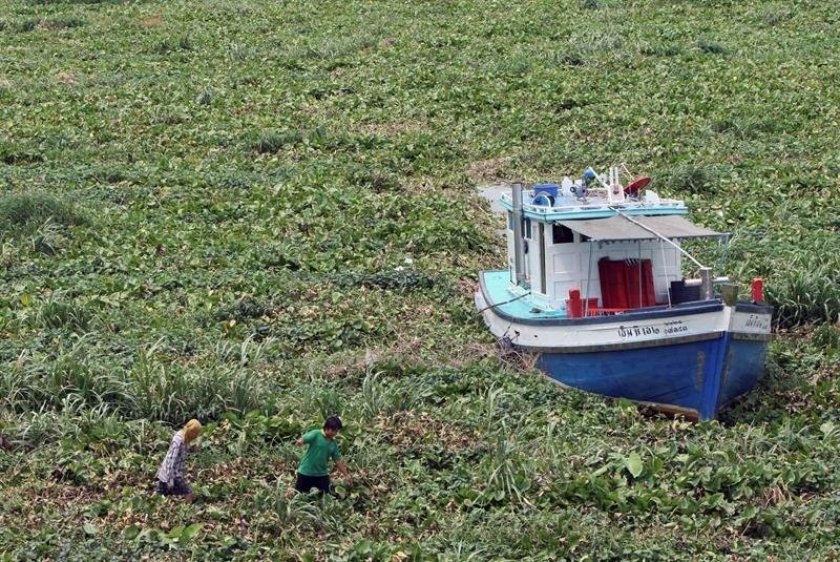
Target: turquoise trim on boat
[
  {"x": 499, "y": 290},
  {"x": 552, "y": 214}
]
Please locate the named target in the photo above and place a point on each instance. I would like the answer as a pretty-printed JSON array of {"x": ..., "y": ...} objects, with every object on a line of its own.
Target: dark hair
[{"x": 333, "y": 422}]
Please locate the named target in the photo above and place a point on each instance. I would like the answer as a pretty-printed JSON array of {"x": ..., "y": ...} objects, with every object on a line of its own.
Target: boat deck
[
  {"x": 529, "y": 308},
  {"x": 498, "y": 288}
]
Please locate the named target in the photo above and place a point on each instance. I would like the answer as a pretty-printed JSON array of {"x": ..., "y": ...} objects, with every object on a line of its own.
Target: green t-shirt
[{"x": 314, "y": 461}]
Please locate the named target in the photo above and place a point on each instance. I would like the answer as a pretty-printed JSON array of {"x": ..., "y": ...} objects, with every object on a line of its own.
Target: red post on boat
[
  {"x": 758, "y": 289},
  {"x": 574, "y": 306}
]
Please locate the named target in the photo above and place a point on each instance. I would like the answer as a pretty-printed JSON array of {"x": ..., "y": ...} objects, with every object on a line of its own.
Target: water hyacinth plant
[{"x": 261, "y": 213}]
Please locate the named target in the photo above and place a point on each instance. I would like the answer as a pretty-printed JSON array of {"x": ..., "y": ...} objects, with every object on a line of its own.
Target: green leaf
[
  {"x": 131, "y": 532},
  {"x": 192, "y": 530},
  {"x": 601, "y": 471},
  {"x": 634, "y": 464},
  {"x": 90, "y": 529},
  {"x": 216, "y": 513}
]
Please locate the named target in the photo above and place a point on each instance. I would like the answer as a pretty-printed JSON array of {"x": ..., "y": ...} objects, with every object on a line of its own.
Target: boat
[{"x": 595, "y": 290}]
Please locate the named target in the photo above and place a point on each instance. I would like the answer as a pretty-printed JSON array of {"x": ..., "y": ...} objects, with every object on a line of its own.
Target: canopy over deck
[{"x": 622, "y": 228}]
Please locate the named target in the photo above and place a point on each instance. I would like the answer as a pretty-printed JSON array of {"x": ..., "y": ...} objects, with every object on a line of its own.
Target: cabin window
[
  {"x": 526, "y": 228},
  {"x": 562, "y": 234}
]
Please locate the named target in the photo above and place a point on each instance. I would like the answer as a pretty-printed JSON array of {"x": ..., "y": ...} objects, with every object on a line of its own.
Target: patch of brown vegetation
[
  {"x": 390, "y": 129},
  {"x": 409, "y": 428},
  {"x": 796, "y": 401},
  {"x": 467, "y": 287},
  {"x": 424, "y": 184},
  {"x": 490, "y": 170},
  {"x": 515, "y": 358},
  {"x": 58, "y": 494},
  {"x": 152, "y": 21},
  {"x": 410, "y": 352},
  {"x": 66, "y": 77},
  {"x": 773, "y": 496}
]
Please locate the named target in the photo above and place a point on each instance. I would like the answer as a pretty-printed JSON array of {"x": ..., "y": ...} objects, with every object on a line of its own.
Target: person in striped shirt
[{"x": 170, "y": 475}]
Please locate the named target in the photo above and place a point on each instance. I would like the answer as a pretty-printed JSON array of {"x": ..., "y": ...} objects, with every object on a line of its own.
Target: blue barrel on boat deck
[{"x": 545, "y": 193}]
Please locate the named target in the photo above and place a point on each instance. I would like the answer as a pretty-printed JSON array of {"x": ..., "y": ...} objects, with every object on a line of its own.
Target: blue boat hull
[
  {"x": 743, "y": 367},
  {"x": 694, "y": 378}
]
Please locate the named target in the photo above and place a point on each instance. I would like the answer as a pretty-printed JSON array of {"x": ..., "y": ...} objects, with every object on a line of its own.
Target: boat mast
[{"x": 518, "y": 250}]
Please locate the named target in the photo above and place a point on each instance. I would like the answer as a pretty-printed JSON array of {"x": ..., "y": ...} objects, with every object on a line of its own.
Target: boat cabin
[{"x": 579, "y": 250}]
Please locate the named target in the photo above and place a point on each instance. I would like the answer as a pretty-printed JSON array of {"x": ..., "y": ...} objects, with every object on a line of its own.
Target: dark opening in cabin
[{"x": 562, "y": 234}]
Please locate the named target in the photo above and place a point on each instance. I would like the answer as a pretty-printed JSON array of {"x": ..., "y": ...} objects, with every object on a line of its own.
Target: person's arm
[
  {"x": 342, "y": 468},
  {"x": 306, "y": 438}
]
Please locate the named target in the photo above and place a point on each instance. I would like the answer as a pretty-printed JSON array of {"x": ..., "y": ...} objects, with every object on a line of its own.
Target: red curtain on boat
[{"x": 626, "y": 283}]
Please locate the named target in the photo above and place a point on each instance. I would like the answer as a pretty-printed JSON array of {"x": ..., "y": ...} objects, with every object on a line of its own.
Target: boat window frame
[{"x": 526, "y": 228}]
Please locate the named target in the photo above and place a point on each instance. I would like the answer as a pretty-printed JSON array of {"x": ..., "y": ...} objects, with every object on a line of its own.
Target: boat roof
[{"x": 620, "y": 227}]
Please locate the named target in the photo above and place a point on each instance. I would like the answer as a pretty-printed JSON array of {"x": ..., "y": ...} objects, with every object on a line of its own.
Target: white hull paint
[
  {"x": 751, "y": 323},
  {"x": 626, "y": 330}
]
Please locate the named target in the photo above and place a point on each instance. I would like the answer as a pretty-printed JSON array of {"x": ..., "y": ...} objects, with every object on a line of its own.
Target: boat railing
[
  {"x": 572, "y": 205},
  {"x": 596, "y": 311}
]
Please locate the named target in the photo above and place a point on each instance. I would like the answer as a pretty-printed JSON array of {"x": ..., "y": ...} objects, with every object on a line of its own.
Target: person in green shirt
[{"x": 313, "y": 472}]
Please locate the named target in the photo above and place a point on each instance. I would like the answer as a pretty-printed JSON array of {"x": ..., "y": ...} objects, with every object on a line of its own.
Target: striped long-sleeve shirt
[{"x": 172, "y": 466}]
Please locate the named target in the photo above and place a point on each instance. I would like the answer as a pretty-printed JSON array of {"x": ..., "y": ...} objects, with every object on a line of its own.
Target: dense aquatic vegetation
[{"x": 258, "y": 213}]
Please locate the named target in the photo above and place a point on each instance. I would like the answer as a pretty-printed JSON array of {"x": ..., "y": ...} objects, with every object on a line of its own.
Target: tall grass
[
  {"x": 58, "y": 314},
  {"x": 507, "y": 472},
  {"x": 148, "y": 389},
  {"x": 172, "y": 393},
  {"x": 383, "y": 396},
  {"x": 25, "y": 209},
  {"x": 806, "y": 297}
]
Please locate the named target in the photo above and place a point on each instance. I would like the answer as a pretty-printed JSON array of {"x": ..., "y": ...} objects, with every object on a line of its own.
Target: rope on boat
[
  {"x": 503, "y": 303},
  {"x": 663, "y": 237}
]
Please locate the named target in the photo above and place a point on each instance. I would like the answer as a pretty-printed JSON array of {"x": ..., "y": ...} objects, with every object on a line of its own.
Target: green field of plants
[{"x": 260, "y": 212}]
